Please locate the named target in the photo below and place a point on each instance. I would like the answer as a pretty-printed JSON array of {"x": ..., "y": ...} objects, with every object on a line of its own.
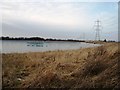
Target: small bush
[{"x": 94, "y": 68}]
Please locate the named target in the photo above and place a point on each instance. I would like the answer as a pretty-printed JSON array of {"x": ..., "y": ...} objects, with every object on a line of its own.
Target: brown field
[{"x": 84, "y": 68}]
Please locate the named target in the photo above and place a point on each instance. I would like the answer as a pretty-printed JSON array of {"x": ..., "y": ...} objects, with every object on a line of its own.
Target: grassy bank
[{"x": 84, "y": 68}]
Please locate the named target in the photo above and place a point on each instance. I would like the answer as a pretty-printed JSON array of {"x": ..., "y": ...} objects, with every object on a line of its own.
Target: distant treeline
[
  {"x": 43, "y": 39},
  {"x": 37, "y": 38}
]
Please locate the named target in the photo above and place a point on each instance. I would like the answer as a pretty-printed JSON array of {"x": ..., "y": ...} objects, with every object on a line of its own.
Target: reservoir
[{"x": 22, "y": 46}]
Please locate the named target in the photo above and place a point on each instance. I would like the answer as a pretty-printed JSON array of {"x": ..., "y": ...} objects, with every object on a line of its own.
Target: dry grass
[{"x": 84, "y": 68}]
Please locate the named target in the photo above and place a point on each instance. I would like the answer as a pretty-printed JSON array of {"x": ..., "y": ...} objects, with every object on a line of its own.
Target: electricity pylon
[{"x": 98, "y": 28}]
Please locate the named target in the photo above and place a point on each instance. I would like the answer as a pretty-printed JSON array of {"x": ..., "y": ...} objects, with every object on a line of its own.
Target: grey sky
[{"x": 57, "y": 19}]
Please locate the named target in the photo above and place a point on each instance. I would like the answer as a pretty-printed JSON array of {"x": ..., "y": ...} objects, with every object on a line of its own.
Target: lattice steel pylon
[{"x": 98, "y": 28}]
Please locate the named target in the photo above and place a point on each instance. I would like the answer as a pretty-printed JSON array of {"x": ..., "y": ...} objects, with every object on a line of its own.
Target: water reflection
[{"x": 36, "y": 43}]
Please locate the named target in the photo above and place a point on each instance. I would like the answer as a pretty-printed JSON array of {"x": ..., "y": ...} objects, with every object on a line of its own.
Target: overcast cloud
[{"x": 59, "y": 19}]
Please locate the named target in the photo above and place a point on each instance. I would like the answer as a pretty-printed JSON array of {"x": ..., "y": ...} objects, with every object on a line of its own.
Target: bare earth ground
[{"x": 95, "y": 67}]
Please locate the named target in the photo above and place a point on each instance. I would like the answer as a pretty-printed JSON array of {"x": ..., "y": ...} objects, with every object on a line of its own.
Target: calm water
[{"x": 12, "y": 46}]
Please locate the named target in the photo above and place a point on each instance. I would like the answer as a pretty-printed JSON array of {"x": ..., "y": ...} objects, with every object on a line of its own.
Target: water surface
[{"x": 17, "y": 46}]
